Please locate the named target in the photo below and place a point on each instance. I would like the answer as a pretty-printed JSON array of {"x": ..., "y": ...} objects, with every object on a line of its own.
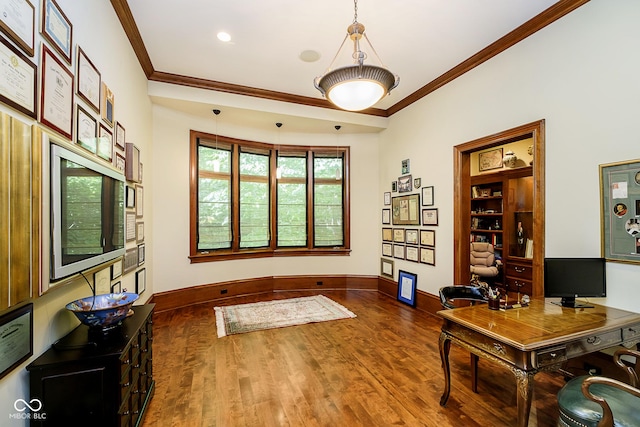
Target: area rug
[{"x": 241, "y": 318}]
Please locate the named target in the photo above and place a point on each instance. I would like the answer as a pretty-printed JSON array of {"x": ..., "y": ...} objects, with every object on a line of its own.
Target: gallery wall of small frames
[
  {"x": 74, "y": 101},
  {"x": 409, "y": 216}
]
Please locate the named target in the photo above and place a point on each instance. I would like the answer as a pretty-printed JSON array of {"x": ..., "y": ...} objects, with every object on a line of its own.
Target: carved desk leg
[
  {"x": 524, "y": 381},
  {"x": 445, "y": 345}
]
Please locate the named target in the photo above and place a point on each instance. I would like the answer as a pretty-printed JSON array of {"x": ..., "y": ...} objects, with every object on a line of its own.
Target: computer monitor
[{"x": 571, "y": 278}]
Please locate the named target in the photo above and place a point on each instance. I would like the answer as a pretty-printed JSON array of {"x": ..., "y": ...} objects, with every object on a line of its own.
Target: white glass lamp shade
[{"x": 356, "y": 87}]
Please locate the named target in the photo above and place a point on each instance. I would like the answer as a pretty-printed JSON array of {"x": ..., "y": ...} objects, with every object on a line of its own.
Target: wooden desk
[{"x": 533, "y": 339}]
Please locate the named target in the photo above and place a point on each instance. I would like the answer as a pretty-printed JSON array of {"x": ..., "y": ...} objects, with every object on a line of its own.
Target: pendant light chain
[{"x": 355, "y": 11}]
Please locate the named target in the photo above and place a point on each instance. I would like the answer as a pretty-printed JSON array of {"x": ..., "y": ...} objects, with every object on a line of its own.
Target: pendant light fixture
[{"x": 358, "y": 86}]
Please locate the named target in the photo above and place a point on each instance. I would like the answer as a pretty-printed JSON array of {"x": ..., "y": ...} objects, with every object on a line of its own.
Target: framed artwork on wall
[
  {"x": 406, "y": 210},
  {"x": 56, "y": 110},
  {"x": 120, "y": 135},
  {"x": 130, "y": 260},
  {"x": 620, "y": 207},
  {"x": 427, "y": 196},
  {"x": 105, "y": 143},
  {"x": 17, "y": 21},
  {"x": 17, "y": 336},
  {"x": 57, "y": 29},
  {"x": 89, "y": 81},
  {"x": 386, "y": 216},
  {"x": 412, "y": 253},
  {"x": 428, "y": 256},
  {"x": 427, "y": 237},
  {"x": 430, "y": 216},
  {"x": 489, "y": 160},
  {"x": 405, "y": 184},
  {"x": 141, "y": 281},
  {"x": 139, "y": 201},
  {"x": 18, "y": 80},
  {"x": 86, "y": 126},
  {"x": 387, "y": 249},
  {"x": 386, "y": 267}
]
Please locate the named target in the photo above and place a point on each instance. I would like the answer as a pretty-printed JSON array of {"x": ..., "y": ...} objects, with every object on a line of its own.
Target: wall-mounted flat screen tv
[{"x": 87, "y": 213}]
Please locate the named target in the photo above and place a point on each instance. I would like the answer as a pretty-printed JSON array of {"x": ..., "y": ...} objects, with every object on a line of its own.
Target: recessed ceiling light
[
  {"x": 309, "y": 55},
  {"x": 224, "y": 37}
]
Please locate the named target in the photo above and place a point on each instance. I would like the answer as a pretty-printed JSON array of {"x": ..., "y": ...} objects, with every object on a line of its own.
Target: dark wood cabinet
[{"x": 97, "y": 381}]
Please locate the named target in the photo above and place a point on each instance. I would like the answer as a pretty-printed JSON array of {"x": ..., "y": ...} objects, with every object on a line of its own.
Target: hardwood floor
[{"x": 381, "y": 368}]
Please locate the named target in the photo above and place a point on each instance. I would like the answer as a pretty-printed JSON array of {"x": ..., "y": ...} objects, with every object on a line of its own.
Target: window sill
[{"x": 247, "y": 254}]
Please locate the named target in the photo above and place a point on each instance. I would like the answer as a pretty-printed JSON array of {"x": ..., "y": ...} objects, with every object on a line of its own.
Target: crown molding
[{"x": 550, "y": 15}]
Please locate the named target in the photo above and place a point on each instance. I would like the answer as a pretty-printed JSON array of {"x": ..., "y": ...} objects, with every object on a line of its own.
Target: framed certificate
[
  {"x": 16, "y": 338},
  {"x": 17, "y": 80},
  {"x": 141, "y": 281},
  {"x": 57, "y": 94},
  {"x": 139, "y": 201},
  {"x": 85, "y": 130},
  {"x": 17, "y": 21},
  {"x": 89, "y": 82},
  {"x": 130, "y": 227},
  {"x": 105, "y": 143},
  {"x": 120, "y": 133},
  {"x": 57, "y": 28}
]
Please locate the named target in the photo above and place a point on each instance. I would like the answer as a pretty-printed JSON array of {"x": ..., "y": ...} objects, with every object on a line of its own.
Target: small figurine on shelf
[{"x": 520, "y": 238}]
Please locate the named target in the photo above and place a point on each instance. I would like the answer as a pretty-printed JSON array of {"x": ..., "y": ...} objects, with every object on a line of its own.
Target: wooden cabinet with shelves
[
  {"x": 96, "y": 382},
  {"x": 501, "y": 213},
  {"x": 486, "y": 214}
]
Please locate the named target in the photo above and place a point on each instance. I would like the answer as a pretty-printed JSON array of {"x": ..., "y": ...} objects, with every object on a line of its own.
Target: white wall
[
  {"x": 580, "y": 74},
  {"x": 171, "y": 266},
  {"x": 99, "y": 33}
]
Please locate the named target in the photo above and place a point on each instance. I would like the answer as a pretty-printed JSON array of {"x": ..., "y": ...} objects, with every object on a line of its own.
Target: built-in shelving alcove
[{"x": 470, "y": 177}]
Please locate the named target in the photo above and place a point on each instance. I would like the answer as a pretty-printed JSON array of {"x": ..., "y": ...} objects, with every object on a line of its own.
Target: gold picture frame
[{"x": 405, "y": 210}]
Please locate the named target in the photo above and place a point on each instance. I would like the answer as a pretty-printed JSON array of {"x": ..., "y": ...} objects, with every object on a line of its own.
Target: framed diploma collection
[
  {"x": 44, "y": 86},
  {"x": 413, "y": 243}
]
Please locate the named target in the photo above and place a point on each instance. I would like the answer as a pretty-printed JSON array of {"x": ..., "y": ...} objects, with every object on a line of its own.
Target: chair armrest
[
  {"x": 617, "y": 358},
  {"x": 607, "y": 415}
]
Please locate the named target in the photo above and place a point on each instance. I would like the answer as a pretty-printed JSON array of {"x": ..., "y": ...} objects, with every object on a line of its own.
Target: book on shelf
[{"x": 528, "y": 251}]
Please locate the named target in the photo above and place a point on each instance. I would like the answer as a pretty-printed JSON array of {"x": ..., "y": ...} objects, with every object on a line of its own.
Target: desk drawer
[
  {"x": 631, "y": 333},
  {"x": 515, "y": 285},
  {"x": 594, "y": 343},
  {"x": 551, "y": 356},
  {"x": 520, "y": 271}
]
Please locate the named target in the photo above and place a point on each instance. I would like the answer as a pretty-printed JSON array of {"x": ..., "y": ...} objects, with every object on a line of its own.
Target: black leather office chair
[
  {"x": 474, "y": 295},
  {"x": 596, "y": 401}
]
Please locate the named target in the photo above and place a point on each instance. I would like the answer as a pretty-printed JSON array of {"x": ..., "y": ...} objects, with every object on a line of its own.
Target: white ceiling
[{"x": 417, "y": 39}]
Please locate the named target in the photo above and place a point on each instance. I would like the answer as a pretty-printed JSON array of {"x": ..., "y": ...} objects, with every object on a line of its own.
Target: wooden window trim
[{"x": 237, "y": 145}]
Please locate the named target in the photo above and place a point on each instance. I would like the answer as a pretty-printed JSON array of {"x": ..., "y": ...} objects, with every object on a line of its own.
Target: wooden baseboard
[
  {"x": 212, "y": 292},
  {"x": 424, "y": 301}
]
